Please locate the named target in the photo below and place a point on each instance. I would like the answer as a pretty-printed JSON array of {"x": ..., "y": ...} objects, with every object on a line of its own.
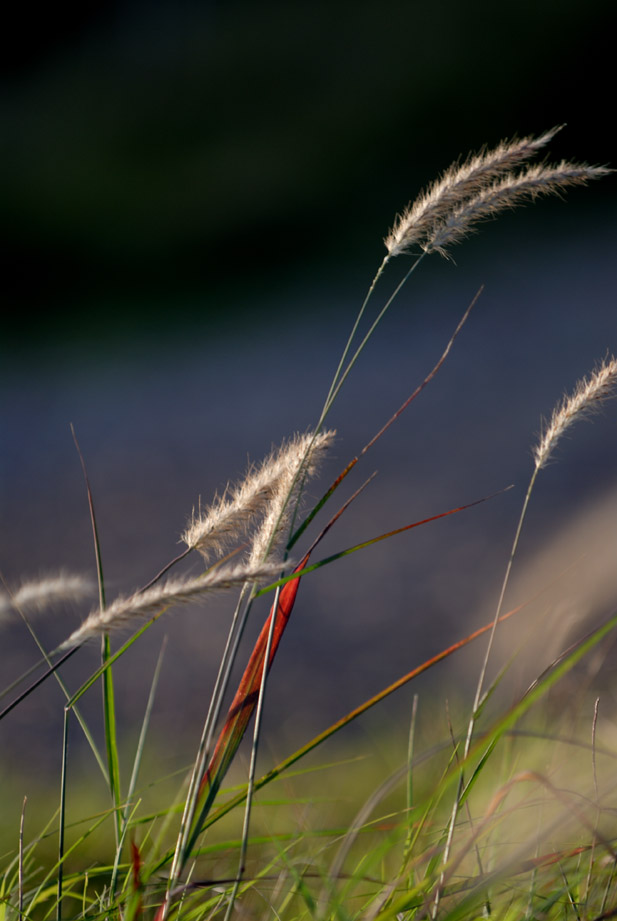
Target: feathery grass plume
[
  {"x": 587, "y": 396},
  {"x": 42, "y": 593},
  {"x": 513, "y": 189},
  {"x": 303, "y": 455},
  {"x": 232, "y": 515},
  {"x": 123, "y": 611},
  {"x": 456, "y": 185}
]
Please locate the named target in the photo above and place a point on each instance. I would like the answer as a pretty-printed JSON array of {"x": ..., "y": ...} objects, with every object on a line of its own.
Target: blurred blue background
[{"x": 194, "y": 199}]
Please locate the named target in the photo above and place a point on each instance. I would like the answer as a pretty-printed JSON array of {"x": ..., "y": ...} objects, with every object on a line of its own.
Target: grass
[{"x": 503, "y": 810}]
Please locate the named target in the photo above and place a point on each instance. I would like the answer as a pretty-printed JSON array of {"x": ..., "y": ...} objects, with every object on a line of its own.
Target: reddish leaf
[{"x": 246, "y": 697}]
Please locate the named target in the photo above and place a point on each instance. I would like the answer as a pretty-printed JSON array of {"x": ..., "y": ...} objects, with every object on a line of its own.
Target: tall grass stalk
[{"x": 588, "y": 395}]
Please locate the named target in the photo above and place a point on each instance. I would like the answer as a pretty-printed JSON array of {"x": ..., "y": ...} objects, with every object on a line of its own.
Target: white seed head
[
  {"x": 124, "y": 611},
  {"x": 444, "y": 213},
  {"x": 512, "y": 190},
  {"x": 231, "y": 516},
  {"x": 303, "y": 454},
  {"x": 588, "y": 395},
  {"x": 36, "y": 595}
]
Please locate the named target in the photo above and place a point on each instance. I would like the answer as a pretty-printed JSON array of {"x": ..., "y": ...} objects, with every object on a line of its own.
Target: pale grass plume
[
  {"x": 458, "y": 183},
  {"x": 486, "y": 183},
  {"x": 303, "y": 454},
  {"x": 38, "y": 594},
  {"x": 125, "y": 611},
  {"x": 587, "y": 397},
  {"x": 231, "y": 516},
  {"x": 513, "y": 190}
]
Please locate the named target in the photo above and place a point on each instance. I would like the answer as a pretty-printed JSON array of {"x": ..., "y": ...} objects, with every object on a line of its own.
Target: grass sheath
[{"x": 464, "y": 825}]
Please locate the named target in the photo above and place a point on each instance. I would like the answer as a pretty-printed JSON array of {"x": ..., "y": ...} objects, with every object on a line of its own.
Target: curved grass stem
[
  {"x": 480, "y": 687},
  {"x": 341, "y": 376}
]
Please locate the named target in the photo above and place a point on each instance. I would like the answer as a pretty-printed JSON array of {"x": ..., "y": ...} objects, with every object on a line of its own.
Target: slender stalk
[
  {"x": 135, "y": 772},
  {"x": 479, "y": 688},
  {"x": 409, "y": 791},
  {"x": 504, "y": 586},
  {"x": 80, "y": 719},
  {"x": 596, "y": 792},
  {"x": 65, "y": 747},
  {"x": 32, "y": 687},
  {"x": 342, "y": 377},
  {"x": 253, "y": 764},
  {"x": 166, "y": 568},
  {"x": 354, "y": 328},
  {"x": 185, "y": 838},
  {"x": 109, "y": 707},
  {"x": 588, "y": 395},
  {"x": 20, "y": 870}
]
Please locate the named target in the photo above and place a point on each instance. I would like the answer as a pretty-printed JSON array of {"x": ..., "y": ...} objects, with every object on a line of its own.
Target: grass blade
[{"x": 109, "y": 705}]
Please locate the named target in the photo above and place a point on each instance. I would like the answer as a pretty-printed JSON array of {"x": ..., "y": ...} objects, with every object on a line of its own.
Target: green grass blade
[
  {"x": 65, "y": 746},
  {"x": 109, "y": 705},
  {"x": 111, "y": 736}
]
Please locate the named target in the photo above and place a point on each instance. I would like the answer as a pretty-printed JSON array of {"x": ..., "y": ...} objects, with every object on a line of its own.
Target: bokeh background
[{"x": 194, "y": 200}]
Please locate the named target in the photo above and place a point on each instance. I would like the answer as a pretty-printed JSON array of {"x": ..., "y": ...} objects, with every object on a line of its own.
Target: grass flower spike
[
  {"x": 43, "y": 593},
  {"x": 457, "y": 184},
  {"x": 302, "y": 456},
  {"x": 512, "y": 190},
  {"x": 587, "y": 397},
  {"x": 484, "y": 185},
  {"x": 123, "y": 611},
  {"x": 229, "y": 518}
]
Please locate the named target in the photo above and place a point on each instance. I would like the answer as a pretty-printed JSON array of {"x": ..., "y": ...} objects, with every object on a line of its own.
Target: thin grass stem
[
  {"x": 35, "y": 684},
  {"x": 166, "y": 568},
  {"x": 20, "y": 869},
  {"x": 354, "y": 329},
  {"x": 62, "y": 817},
  {"x": 80, "y": 719},
  {"x": 135, "y": 772},
  {"x": 352, "y": 361},
  {"x": 253, "y": 763},
  {"x": 186, "y": 837},
  {"x": 109, "y": 705},
  {"x": 478, "y": 694}
]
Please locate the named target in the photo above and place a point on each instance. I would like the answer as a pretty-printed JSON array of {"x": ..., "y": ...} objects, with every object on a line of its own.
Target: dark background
[
  {"x": 202, "y": 152},
  {"x": 194, "y": 198}
]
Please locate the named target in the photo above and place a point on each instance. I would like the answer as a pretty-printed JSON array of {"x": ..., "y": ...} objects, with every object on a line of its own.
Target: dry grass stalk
[
  {"x": 483, "y": 185},
  {"x": 304, "y": 454},
  {"x": 45, "y": 592},
  {"x": 123, "y": 611},
  {"x": 229, "y": 518},
  {"x": 588, "y": 395}
]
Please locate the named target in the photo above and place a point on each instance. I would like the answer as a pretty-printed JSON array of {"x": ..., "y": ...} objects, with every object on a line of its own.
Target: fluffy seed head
[
  {"x": 124, "y": 611},
  {"x": 42, "y": 593},
  {"x": 513, "y": 190},
  {"x": 439, "y": 216},
  {"x": 231, "y": 516},
  {"x": 587, "y": 396},
  {"x": 303, "y": 456}
]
